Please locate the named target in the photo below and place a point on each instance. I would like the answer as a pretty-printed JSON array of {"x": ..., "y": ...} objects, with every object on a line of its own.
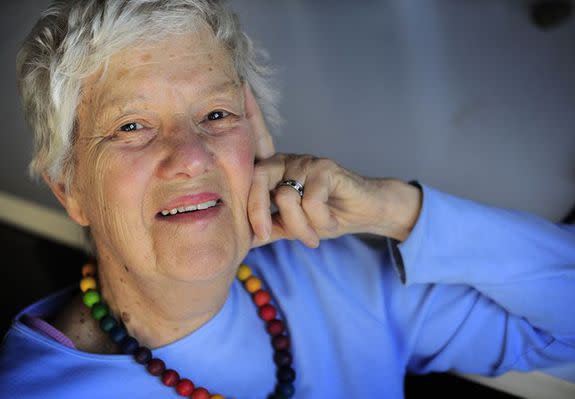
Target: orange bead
[
  {"x": 89, "y": 269},
  {"x": 253, "y": 284},
  {"x": 217, "y": 396},
  {"x": 88, "y": 283},
  {"x": 244, "y": 272}
]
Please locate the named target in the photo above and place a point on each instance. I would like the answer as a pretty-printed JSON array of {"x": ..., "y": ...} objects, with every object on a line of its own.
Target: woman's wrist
[{"x": 401, "y": 205}]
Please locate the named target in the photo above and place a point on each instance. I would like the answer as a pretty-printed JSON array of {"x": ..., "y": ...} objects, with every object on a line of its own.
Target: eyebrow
[{"x": 126, "y": 103}]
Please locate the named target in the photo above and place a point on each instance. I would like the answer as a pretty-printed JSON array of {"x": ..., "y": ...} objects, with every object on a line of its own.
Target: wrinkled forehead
[
  {"x": 193, "y": 59},
  {"x": 199, "y": 47}
]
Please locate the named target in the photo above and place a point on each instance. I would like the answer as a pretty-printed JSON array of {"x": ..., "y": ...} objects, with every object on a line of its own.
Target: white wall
[{"x": 468, "y": 96}]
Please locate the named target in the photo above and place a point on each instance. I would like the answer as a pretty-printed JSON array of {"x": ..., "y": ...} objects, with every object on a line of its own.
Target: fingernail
[
  {"x": 313, "y": 238},
  {"x": 266, "y": 232}
]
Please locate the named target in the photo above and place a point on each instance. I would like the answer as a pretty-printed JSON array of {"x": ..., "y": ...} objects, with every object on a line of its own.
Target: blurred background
[{"x": 473, "y": 97}]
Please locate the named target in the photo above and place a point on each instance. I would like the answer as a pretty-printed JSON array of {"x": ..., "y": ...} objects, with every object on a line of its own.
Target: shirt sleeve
[{"x": 495, "y": 288}]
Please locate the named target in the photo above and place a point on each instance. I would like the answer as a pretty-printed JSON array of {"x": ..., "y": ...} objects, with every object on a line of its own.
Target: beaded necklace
[{"x": 156, "y": 367}]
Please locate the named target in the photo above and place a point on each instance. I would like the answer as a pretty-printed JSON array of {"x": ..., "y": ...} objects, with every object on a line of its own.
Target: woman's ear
[
  {"x": 264, "y": 142},
  {"x": 70, "y": 202}
]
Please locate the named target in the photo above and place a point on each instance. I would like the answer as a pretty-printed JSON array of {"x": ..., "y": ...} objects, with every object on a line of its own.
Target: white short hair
[{"x": 73, "y": 39}]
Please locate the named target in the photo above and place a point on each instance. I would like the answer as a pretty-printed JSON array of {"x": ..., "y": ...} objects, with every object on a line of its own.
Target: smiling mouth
[{"x": 189, "y": 208}]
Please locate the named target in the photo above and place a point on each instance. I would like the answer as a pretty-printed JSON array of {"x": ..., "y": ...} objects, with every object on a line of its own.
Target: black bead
[
  {"x": 285, "y": 388},
  {"x": 142, "y": 355},
  {"x": 282, "y": 358},
  {"x": 285, "y": 374}
]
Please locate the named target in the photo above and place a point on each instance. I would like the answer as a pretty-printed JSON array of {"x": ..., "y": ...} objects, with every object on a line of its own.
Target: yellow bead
[
  {"x": 89, "y": 269},
  {"x": 244, "y": 272},
  {"x": 87, "y": 283},
  {"x": 253, "y": 284},
  {"x": 217, "y": 396}
]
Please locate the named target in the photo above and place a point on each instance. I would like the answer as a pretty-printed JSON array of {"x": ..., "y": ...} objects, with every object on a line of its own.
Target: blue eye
[
  {"x": 131, "y": 127},
  {"x": 217, "y": 115}
]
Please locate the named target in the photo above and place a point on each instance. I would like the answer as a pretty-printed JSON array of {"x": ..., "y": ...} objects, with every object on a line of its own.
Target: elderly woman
[{"x": 148, "y": 130}]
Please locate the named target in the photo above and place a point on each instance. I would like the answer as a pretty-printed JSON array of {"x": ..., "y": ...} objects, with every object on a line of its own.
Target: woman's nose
[{"x": 186, "y": 154}]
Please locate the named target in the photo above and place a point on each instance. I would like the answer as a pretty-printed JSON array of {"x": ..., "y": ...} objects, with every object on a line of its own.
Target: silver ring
[{"x": 296, "y": 185}]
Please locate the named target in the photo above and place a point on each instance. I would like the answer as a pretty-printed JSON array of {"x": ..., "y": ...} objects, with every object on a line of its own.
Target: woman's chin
[{"x": 203, "y": 263}]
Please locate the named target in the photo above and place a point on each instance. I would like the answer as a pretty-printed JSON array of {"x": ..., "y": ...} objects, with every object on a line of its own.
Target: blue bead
[
  {"x": 118, "y": 333},
  {"x": 129, "y": 345},
  {"x": 285, "y": 388}
]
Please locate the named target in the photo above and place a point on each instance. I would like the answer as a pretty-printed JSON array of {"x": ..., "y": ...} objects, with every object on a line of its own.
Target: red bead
[
  {"x": 261, "y": 297},
  {"x": 156, "y": 366},
  {"x": 200, "y": 393},
  {"x": 267, "y": 312},
  {"x": 185, "y": 387},
  {"x": 170, "y": 378},
  {"x": 280, "y": 342},
  {"x": 275, "y": 327}
]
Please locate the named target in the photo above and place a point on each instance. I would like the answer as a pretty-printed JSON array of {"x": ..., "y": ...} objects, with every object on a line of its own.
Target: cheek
[
  {"x": 114, "y": 185},
  {"x": 242, "y": 163}
]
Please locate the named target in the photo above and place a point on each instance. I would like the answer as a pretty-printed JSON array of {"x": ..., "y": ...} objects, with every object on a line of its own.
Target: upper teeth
[{"x": 181, "y": 209}]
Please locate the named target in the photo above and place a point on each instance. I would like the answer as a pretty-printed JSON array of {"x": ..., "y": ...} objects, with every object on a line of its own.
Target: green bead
[
  {"x": 91, "y": 297},
  {"x": 107, "y": 323},
  {"x": 99, "y": 310}
]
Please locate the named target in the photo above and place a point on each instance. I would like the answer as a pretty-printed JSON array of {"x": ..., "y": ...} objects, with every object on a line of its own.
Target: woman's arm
[{"x": 487, "y": 289}]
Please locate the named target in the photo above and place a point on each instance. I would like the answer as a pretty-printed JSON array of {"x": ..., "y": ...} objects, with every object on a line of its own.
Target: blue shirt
[{"x": 485, "y": 290}]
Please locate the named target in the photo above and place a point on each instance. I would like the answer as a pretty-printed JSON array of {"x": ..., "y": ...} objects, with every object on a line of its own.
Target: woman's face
[{"x": 162, "y": 128}]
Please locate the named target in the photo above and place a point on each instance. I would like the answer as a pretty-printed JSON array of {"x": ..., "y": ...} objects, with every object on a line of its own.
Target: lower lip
[{"x": 203, "y": 215}]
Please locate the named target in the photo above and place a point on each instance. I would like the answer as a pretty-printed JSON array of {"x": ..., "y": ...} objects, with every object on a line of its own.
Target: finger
[
  {"x": 266, "y": 174},
  {"x": 315, "y": 203},
  {"x": 278, "y": 233},
  {"x": 263, "y": 139},
  {"x": 259, "y": 212},
  {"x": 292, "y": 217}
]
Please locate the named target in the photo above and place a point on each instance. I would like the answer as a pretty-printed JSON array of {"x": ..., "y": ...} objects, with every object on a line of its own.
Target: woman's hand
[{"x": 335, "y": 202}]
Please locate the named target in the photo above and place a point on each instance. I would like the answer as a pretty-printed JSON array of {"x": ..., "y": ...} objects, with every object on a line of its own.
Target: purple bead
[
  {"x": 280, "y": 342},
  {"x": 142, "y": 355},
  {"x": 129, "y": 345},
  {"x": 156, "y": 367}
]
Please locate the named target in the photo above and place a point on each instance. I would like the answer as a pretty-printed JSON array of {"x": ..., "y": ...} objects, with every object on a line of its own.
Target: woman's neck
[{"x": 159, "y": 312}]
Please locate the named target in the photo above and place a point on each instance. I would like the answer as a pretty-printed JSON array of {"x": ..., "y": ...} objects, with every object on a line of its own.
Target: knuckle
[
  {"x": 256, "y": 207},
  {"x": 309, "y": 202},
  {"x": 260, "y": 172},
  {"x": 325, "y": 164},
  {"x": 283, "y": 198}
]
